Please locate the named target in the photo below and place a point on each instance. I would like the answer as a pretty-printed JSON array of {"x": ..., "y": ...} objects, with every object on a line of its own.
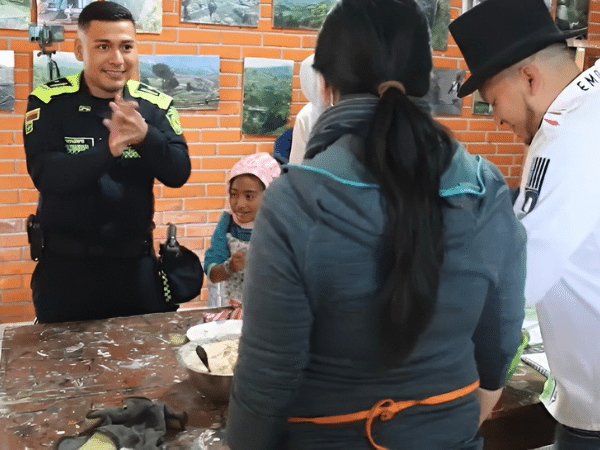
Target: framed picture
[
  {"x": 192, "y": 81},
  {"x": 479, "y": 106},
  {"x": 7, "y": 80},
  {"x": 222, "y": 12},
  {"x": 15, "y": 14},
  {"x": 308, "y": 14},
  {"x": 438, "y": 18},
  {"x": 50, "y": 67},
  {"x": 442, "y": 95},
  {"x": 146, "y": 13},
  {"x": 60, "y": 12},
  {"x": 572, "y": 15},
  {"x": 267, "y": 95}
]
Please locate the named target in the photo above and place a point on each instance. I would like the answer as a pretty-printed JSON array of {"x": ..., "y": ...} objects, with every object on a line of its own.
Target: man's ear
[
  {"x": 78, "y": 50},
  {"x": 532, "y": 76}
]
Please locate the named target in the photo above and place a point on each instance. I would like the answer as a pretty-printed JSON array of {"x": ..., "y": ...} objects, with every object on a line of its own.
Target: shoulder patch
[
  {"x": 66, "y": 85},
  {"x": 173, "y": 118},
  {"x": 148, "y": 93}
]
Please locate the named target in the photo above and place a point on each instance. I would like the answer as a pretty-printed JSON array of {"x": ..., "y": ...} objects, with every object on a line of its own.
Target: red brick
[
  {"x": 12, "y": 254},
  {"x": 14, "y": 268},
  {"x": 220, "y": 135},
  {"x": 205, "y": 203},
  {"x": 199, "y": 36},
  {"x": 202, "y": 149},
  {"x": 11, "y": 196},
  {"x": 296, "y": 55},
  {"x": 238, "y": 148},
  {"x": 10, "y": 313},
  {"x": 225, "y": 52},
  {"x": 168, "y": 204},
  {"x": 212, "y": 176},
  {"x": 176, "y": 49},
  {"x": 11, "y": 282},
  {"x": 198, "y": 121},
  {"x": 277, "y": 40},
  {"x": 240, "y": 38},
  {"x": 481, "y": 149}
]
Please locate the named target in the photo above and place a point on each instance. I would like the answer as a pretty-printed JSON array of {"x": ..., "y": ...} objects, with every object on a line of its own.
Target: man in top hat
[{"x": 521, "y": 65}]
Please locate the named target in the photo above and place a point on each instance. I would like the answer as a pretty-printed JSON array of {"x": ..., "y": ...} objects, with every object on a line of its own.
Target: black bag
[{"x": 180, "y": 270}]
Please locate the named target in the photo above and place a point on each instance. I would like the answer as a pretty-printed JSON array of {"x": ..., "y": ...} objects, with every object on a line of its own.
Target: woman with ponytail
[{"x": 384, "y": 291}]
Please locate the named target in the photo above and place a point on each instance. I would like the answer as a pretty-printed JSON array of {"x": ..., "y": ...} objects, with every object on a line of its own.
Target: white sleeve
[
  {"x": 300, "y": 135},
  {"x": 565, "y": 212}
]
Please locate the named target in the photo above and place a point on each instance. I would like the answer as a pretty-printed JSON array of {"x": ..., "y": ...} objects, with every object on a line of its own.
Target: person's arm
[
  {"x": 498, "y": 332},
  {"x": 51, "y": 168},
  {"x": 300, "y": 136},
  {"x": 164, "y": 149},
  {"x": 277, "y": 325},
  {"x": 218, "y": 252},
  {"x": 565, "y": 213},
  {"x": 487, "y": 401}
]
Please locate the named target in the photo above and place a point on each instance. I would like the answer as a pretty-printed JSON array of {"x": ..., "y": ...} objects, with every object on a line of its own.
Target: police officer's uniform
[{"x": 96, "y": 210}]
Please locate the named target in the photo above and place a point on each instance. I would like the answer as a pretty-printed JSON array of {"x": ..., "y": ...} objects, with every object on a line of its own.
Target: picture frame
[
  {"x": 245, "y": 13},
  {"x": 15, "y": 14},
  {"x": 192, "y": 80},
  {"x": 7, "y": 80},
  {"x": 443, "y": 92},
  {"x": 267, "y": 96}
]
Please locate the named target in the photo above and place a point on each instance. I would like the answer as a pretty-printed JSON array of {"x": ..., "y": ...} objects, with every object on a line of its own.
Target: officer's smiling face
[{"x": 109, "y": 54}]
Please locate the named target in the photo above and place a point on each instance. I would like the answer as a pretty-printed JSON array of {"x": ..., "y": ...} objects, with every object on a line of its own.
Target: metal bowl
[{"x": 213, "y": 386}]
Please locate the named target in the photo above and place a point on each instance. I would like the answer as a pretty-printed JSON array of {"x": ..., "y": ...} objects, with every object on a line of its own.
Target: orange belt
[{"x": 385, "y": 410}]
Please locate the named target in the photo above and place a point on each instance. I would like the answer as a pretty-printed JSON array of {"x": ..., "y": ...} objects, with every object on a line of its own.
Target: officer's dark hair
[
  {"x": 104, "y": 11},
  {"x": 361, "y": 45}
]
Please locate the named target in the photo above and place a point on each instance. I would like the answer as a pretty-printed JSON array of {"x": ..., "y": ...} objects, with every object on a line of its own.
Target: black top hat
[{"x": 496, "y": 34}]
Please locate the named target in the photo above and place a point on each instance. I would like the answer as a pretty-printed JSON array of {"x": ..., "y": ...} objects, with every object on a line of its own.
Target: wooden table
[
  {"x": 519, "y": 420},
  {"x": 51, "y": 375}
]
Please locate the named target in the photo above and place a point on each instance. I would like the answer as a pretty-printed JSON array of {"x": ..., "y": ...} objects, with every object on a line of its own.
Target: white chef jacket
[{"x": 559, "y": 205}]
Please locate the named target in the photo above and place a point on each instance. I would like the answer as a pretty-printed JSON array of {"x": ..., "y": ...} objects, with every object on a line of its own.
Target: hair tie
[{"x": 390, "y": 84}]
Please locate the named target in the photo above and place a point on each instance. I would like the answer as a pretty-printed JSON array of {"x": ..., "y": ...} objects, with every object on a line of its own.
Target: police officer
[{"x": 95, "y": 142}]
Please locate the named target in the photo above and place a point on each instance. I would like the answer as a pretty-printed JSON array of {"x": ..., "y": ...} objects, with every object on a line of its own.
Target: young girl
[{"x": 225, "y": 260}]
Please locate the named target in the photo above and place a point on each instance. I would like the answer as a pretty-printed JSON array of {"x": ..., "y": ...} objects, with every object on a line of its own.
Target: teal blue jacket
[{"x": 310, "y": 329}]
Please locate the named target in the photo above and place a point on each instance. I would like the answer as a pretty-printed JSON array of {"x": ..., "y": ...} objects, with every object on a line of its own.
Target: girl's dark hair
[
  {"x": 104, "y": 11},
  {"x": 363, "y": 43}
]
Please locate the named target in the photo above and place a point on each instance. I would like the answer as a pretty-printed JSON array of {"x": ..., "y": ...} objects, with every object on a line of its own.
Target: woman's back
[
  {"x": 387, "y": 268},
  {"x": 321, "y": 235}
]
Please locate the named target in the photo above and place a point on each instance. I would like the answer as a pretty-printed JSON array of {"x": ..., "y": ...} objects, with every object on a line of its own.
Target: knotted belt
[{"x": 385, "y": 410}]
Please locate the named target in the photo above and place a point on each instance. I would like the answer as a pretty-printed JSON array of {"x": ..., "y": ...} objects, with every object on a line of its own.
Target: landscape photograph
[
  {"x": 146, "y": 13},
  {"x": 443, "y": 91},
  {"x": 50, "y": 67},
  {"x": 308, "y": 14},
  {"x": 223, "y": 12},
  {"x": 192, "y": 81},
  {"x": 60, "y": 12},
  {"x": 15, "y": 14},
  {"x": 438, "y": 18},
  {"x": 267, "y": 95},
  {"x": 7, "y": 80}
]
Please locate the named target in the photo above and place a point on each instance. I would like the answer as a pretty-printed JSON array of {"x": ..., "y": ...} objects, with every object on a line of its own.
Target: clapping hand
[{"x": 127, "y": 126}]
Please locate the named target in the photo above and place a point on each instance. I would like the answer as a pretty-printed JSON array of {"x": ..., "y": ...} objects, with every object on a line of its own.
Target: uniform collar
[{"x": 573, "y": 95}]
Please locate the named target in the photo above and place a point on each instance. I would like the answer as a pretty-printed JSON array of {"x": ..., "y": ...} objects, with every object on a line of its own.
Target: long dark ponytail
[{"x": 362, "y": 44}]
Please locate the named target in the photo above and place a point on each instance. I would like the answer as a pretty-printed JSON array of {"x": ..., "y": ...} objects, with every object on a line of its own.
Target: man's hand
[
  {"x": 127, "y": 126},
  {"x": 237, "y": 261}
]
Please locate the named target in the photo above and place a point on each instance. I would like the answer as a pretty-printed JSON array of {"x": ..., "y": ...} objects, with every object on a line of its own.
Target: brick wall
[{"x": 214, "y": 137}]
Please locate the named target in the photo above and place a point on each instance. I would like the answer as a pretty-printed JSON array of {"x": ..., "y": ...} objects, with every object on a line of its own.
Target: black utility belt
[{"x": 65, "y": 245}]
